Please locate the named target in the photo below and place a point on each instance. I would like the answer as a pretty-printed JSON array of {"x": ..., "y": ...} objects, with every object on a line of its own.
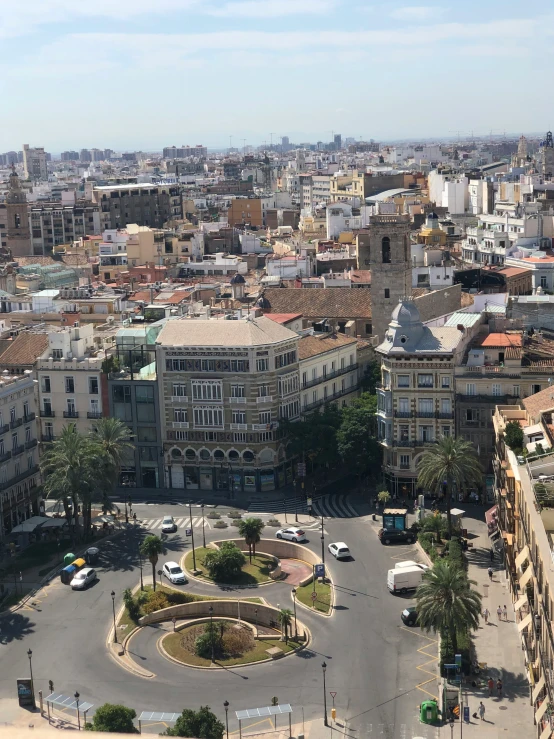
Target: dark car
[
  {"x": 391, "y": 536},
  {"x": 409, "y": 616}
]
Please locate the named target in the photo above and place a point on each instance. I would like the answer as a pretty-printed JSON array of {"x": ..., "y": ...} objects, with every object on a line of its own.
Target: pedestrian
[
  {"x": 490, "y": 574},
  {"x": 505, "y": 613},
  {"x": 499, "y": 613},
  {"x": 492, "y": 554},
  {"x": 135, "y": 517},
  {"x": 499, "y": 687},
  {"x": 490, "y": 683},
  {"x": 481, "y": 711},
  {"x": 486, "y": 614}
]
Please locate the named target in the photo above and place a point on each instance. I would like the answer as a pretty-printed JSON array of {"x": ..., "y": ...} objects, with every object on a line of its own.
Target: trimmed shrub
[
  {"x": 220, "y": 525},
  {"x": 273, "y": 522},
  {"x": 155, "y": 601},
  {"x": 132, "y": 605},
  {"x": 235, "y": 514},
  {"x": 213, "y": 514}
]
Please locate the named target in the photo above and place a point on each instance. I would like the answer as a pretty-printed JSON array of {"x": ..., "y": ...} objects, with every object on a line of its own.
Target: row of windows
[
  {"x": 17, "y": 470},
  {"x": 13, "y": 413},
  {"x": 46, "y": 386},
  {"x": 283, "y": 360},
  {"x": 423, "y": 380},
  {"x": 239, "y": 437},
  {"x": 211, "y": 365},
  {"x": 180, "y": 415},
  {"x": 213, "y": 390},
  {"x": 497, "y": 389}
]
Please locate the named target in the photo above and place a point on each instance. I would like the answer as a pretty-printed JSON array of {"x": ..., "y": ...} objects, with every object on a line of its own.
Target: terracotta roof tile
[
  {"x": 539, "y": 402},
  {"x": 311, "y": 346},
  {"x": 336, "y": 302},
  {"x": 499, "y": 340},
  {"x": 25, "y": 349},
  {"x": 283, "y": 317}
]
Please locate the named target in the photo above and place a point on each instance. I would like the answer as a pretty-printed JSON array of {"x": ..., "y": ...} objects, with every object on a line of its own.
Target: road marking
[{"x": 432, "y": 660}]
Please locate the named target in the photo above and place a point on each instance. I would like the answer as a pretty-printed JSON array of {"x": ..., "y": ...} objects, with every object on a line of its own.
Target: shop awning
[
  {"x": 525, "y": 622},
  {"x": 491, "y": 515},
  {"x": 28, "y": 526},
  {"x": 541, "y": 710},
  {"x": 53, "y": 523},
  {"x": 537, "y": 690},
  {"x": 522, "y": 556},
  {"x": 520, "y": 602},
  {"x": 526, "y": 577},
  {"x": 547, "y": 732}
]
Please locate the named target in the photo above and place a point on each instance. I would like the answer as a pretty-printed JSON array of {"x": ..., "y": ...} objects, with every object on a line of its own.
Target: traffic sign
[
  {"x": 275, "y": 701},
  {"x": 314, "y": 596},
  {"x": 456, "y": 711},
  {"x": 466, "y": 714},
  {"x": 333, "y": 693},
  {"x": 188, "y": 532},
  {"x": 320, "y": 570},
  {"x": 301, "y": 469},
  {"x": 309, "y": 502}
]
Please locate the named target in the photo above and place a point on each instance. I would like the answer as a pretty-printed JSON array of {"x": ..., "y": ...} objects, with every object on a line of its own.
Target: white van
[
  {"x": 410, "y": 563},
  {"x": 404, "y": 579}
]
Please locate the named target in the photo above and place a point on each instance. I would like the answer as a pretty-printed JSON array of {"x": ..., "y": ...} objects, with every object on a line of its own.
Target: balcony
[
  {"x": 425, "y": 414},
  {"x": 4, "y": 428},
  {"x": 29, "y": 417},
  {"x": 4, "y": 457},
  {"x": 180, "y": 425},
  {"x": 31, "y": 444},
  {"x": 239, "y": 426},
  {"x": 47, "y": 438},
  {"x": 71, "y": 414},
  {"x": 18, "y": 478},
  {"x": 94, "y": 414},
  {"x": 328, "y": 399},
  {"x": 179, "y": 399},
  {"x": 15, "y": 423},
  {"x": 265, "y": 399},
  {"x": 330, "y": 376},
  {"x": 498, "y": 370},
  {"x": 445, "y": 416},
  {"x": 47, "y": 413},
  {"x": 496, "y": 399},
  {"x": 237, "y": 401},
  {"x": 265, "y": 426},
  {"x": 17, "y": 450},
  {"x": 403, "y": 414}
]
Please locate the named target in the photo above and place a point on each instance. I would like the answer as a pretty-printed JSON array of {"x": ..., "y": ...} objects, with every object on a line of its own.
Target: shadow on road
[
  {"x": 351, "y": 591},
  {"x": 14, "y": 627}
]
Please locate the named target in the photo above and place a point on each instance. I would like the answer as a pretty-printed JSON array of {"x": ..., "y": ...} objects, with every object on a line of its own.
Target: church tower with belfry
[{"x": 18, "y": 228}]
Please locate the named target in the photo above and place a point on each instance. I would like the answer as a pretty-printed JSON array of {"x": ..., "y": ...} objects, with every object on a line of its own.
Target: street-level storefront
[
  {"x": 401, "y": 488},
  {"x": 224, "y": 478}
]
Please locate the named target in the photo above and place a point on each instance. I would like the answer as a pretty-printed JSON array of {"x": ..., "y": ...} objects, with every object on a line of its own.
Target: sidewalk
[{"x": 499, "y": 645}]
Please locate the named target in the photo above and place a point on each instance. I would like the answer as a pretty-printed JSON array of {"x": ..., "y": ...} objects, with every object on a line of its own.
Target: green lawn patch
[
  {"x": 323, "y": 593},
  {"x": 251, "y": 574},
  {"x": 173, "y": 645}
]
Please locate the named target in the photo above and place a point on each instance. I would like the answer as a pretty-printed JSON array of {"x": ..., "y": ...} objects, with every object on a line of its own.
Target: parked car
[
  {"x": 391, "y": 536},
  {"x": 83, "y": 578},
  {"x": 168, "y": 525},
  {"x": 174, "y": 573},
  {"x": 409, "y": 616},
  {"x": 404, "y": 579},
  {"x": 293, "y": 534},
  {"x": 339, "y": 550}
]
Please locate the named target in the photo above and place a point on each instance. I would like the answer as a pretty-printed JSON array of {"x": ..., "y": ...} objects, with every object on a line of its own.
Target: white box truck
[
  {"x": 403, "y": 579},
  {"x": 410, "y": 563}
]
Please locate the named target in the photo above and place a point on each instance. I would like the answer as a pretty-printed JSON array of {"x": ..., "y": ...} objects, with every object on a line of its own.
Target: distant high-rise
[
  {"x": 338, "y": 141},
  {"x": 85, "y": 155},
  {"x": 70, "y": 156},
  {"x": 34, "y": 163}
]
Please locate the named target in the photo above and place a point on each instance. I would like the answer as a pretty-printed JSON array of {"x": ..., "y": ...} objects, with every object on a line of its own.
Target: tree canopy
[
  {"x": 356, "y": 437},
  {"x": 224, "y": 564},
  {"x": 115, "y": 718},
  {"x": 201, "y": 724},
  {"x": 251, "y": 529},
  {"x": 152, "y": 547},
  {"x": 513, "y": 436}
]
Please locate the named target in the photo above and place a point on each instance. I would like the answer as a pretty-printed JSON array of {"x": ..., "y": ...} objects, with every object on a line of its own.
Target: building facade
[
  {"x": 54, "y": 223},
  {"x": 145, "y": 205},
  {"x": 328, "y": 370},
  {"x": 18, "y": 235},
  {"x": 19, "y": 471},
  {"x": 34, "y": 163}
]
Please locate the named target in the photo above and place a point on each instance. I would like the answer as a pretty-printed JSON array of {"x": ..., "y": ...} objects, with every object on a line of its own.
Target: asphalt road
[{"x": 371, "y": 657}]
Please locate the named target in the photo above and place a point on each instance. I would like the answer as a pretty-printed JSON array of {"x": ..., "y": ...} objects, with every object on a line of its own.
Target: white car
[
  {"x": 168, "y": 525},
  {"x": 83, "y": 578},
  {"x": 174, "y": 573},
  {"x": 339, "y": 550},
  {"x": 292, "y": 534}
]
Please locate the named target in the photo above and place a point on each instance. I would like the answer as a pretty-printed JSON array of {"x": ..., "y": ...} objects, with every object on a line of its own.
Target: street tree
[
  {"x": 224, "y": 564},
  {"x": 201, "y": 724},
  {"x": 356, "y": 437},
  {"x": 114, "y": 718},
  {"x": 434, "y": 524},
  {"x": 383, "y": 496},
  {"x": 314, "y": 439},
  {"x": 446, "y": 602},
  {"x": 285, "y": 619},
  {"x": 152, "y": 547},
  {"x": 452, "y": 462},
  {"x": 513, "y": 436},
  {"x": 250, "y": 529},
  {"x": 112, "y": 436}
]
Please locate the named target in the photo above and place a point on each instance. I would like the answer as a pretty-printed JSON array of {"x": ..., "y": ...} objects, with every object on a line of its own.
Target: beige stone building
[{"x": 328, "y": 370}]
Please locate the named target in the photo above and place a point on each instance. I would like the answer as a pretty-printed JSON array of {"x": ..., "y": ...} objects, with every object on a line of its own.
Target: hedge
[{"x": 447, "y": 655}]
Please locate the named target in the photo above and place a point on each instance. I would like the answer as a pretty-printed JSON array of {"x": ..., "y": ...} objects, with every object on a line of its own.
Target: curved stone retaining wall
[{"x": 278, "y": 548}]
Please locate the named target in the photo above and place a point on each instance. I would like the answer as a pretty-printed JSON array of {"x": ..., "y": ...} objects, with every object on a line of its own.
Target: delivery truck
[{"x": 403, "y": 579}]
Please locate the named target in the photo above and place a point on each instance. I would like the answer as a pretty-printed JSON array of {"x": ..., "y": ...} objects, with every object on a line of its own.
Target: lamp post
[
  {"x": 324, "y": 668},
  {"x": 226, "y": 706},
  {"x": 140, "y": 565},
  {"x": 78, "y": 714},
  {"x": 256, "y": 613},
  {"x": 294, "y": 601},
  {"x": 113, "y": 608},
  {"x": 203, "y": 529},
  {"x": 192, "y": 538},
  {"x": 30, "y": 655},
  {"x": 211, "y": 610},
  {"x": 322, "y": 544}
]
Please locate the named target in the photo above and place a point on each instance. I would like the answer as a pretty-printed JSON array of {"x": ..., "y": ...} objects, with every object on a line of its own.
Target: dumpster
[
  {"x": 91, "y": 555},
  {"x": 67, "y": 574},
  {"x": 68, "y": 559},
  {"x": 79, "y": 563},
  {"x": 428, "y": 712}
]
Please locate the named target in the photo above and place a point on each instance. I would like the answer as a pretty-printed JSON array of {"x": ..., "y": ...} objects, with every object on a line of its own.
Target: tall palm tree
[
  {"x": 152, "y": 547},
  {"x": 446, "y": 601},
  {"x": 250, "y": 529},
  {"x": 285, "y": 618},
  {"x": 452, "y": 461},
  {"x": 113, "y": 437}
]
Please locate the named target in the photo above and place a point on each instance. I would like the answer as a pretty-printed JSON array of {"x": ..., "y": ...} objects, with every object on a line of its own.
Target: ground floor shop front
[{"x": 228, "y": 479}]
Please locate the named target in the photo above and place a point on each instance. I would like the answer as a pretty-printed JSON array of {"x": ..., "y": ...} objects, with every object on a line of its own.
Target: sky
[{"x": 143, "y": 74}]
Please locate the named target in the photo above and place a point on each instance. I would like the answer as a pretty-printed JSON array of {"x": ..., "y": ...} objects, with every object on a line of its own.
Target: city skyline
[{"x": 126, "y": 77}]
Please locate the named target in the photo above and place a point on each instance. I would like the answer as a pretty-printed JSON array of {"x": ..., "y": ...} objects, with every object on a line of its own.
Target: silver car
[
  {"x": 168, "y": 525},
  {"x": 292, "y": 534},
  {"x": 174, "y": 573},
  {"x": 83, "y": 578}
]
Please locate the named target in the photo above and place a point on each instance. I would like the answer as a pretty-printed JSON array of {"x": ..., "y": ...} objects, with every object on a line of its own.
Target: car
[
  {"x": 390, "y": 536},
  {"x": 293, "y": 534},
  {"x": 339, "y": 550},
  {"x": 168, "y": 525},
  {"x": 83, "y": 578},
  {"x": 409, "y": 616},
  {"x": 174, "y": 573}
]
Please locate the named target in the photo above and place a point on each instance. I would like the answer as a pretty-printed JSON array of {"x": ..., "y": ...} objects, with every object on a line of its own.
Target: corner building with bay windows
[{"x": 225, "y": 386}]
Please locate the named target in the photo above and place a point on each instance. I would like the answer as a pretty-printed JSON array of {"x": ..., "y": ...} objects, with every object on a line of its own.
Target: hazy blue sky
[{"x": 148, "y": 73}]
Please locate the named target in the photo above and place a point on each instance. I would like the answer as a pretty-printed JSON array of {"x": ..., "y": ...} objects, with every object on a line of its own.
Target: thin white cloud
[
  {"x": 271, "y": 8},
  {"x": 416, "y": 13}
]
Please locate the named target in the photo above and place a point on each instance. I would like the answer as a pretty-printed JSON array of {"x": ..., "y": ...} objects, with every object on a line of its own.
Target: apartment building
[
  {"x": 34, "y": 163},
  {"x": 143, "y": 204},
  {"x": 522, "y": 524},
  {"x": 415, "y": 402},
  {"x": 224, "y": 386},
  {"x": 328, "y": 367},
  {"x": 19, "y": 472},
  {"x": 71, "y": 385},
  {"x": 497, "y": 368},
  {"x": 361, "y": 185},
  {"x": 54, "y": 223}
]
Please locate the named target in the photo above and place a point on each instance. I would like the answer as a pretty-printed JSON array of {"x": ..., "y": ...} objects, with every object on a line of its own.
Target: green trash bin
[
  {"x": 69, "y": 559},
  {"x": 428, "y": 712}
]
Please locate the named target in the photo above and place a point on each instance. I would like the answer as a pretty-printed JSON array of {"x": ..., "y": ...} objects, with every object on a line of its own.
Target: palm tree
[
  {"x": 113, "y": 437},
  {"x": 434, "y": 524},
  {"x": 445, "y": 601},
  {"x": 285, "y": 618},
  {"x": 452, "y": 461},
  {"x": 152, "y": 547},
  {"x": 251, "y": 529}
]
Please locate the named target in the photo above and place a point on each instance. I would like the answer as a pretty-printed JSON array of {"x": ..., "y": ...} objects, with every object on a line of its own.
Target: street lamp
[
  {"x": 322, "y": 544},
  {"x": 192, "y": 539},
  {"x": 78, "y": 714},
  {"x": 203, "y": 529},
  {"x": 113, "y": 608},
  {"x": 140, "y": 565},
  {"x": 256, "y": 613},
  {"x": 226, "y": 706},
  {"x": 324, "y": 668},
  {"x": 294, "y": 601},
  {"x": 30, "y": 655},
  {"x": 211, "y": 610}
]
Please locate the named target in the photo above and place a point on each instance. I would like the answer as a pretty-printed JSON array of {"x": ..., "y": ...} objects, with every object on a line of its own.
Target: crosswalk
[
  {"x": 151, "y": 524},
  {"x": 329, "y": 506}
]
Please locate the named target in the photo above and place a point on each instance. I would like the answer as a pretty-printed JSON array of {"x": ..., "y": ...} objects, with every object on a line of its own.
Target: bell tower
[
  {"x": 389, "y": 256},
  {"x": 19, "y": 232}
]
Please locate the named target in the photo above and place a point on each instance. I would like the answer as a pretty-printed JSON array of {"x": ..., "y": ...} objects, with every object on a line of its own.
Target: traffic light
[{"x": 333, "y": 713}]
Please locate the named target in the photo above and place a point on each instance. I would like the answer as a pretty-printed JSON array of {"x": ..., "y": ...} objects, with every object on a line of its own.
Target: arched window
[{"x": 385, "y": 249}]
